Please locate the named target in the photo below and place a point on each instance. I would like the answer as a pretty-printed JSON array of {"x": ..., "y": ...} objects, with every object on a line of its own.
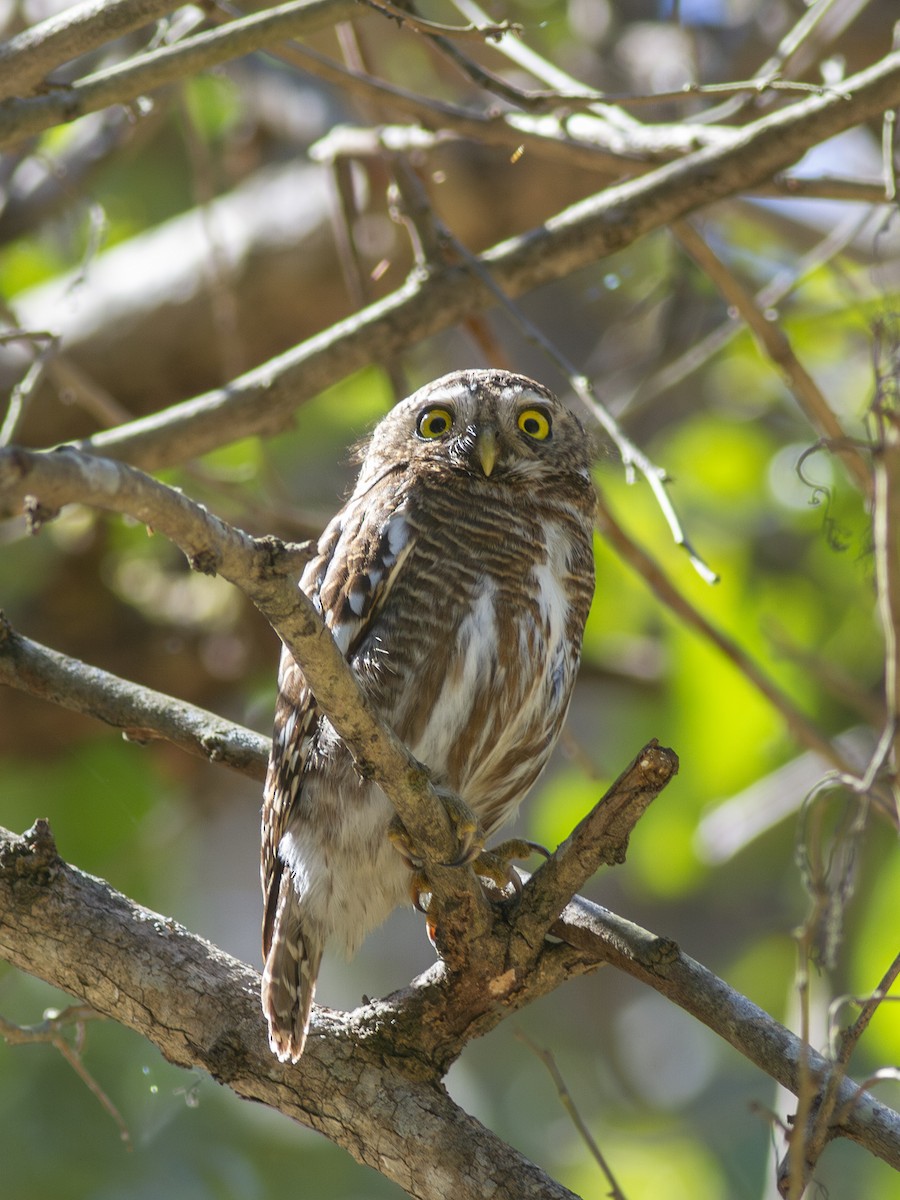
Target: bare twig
[
  {"x": 600, "y": 838},
  {"x": 528, "y": 59},
  {"x": 478, "y": 32},
  {"x": 773, "y": 340},
  {"x": 141, "y": 713},
  {"x": 24, "y": 389},
  {"x": 52, "y": 1031},
  {"x": 659, "y": 963},
  {"x": 769, "y": 296},
  {"x": 822, "y": 21},
  {"x": 799, "y": 725},
  {"x": 565, "y": 1098},
  {"x": 850, "y": 1037},
  {"x": 886, "y": 528},
  {"x": 547, "y": 137}
]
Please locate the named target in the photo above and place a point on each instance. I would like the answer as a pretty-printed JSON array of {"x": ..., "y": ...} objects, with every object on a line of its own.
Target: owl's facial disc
[{"x": 485, "y": 433}]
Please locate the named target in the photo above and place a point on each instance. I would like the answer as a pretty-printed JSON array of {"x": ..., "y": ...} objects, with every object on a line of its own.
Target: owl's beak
[{"x": 487, "y": 449}]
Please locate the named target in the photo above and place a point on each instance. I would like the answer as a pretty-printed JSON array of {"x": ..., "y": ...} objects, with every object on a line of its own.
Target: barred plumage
[{"x": 456, "y": 579}]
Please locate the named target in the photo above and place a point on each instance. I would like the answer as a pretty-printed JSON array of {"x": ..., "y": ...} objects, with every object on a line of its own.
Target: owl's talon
[
  {"x": 465, "y": 826},
  {"x": 496, "y": 864},
  {"x": 399, "y": 839},
  {"x": 418, "y": 887}
]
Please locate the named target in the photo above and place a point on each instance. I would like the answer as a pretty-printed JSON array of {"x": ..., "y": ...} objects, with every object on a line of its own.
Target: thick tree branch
[
  {"x": 200, "y": 1007},
  {"x": 586, "y": 232}
]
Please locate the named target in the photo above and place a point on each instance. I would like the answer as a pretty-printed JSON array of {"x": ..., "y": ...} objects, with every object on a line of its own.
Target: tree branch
[
  {"x": 125, "y": 82},
  {"x": 749, "y": 1029},
  {"x": 264, "y": 398},
  {"x": 141, "y": 713},
  {"x": 600, "y": 839},
  {"x": 27, "y": 58},
  {"x": 200, "y": 1007}
]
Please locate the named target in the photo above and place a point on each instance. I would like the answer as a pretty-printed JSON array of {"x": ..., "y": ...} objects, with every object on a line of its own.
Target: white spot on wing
[
  {"x": 552, "y": 597},
  {"x": 397, "y": 533},
  {"x": 358, "y": 597},
  {"x": 476, "y": 646}
]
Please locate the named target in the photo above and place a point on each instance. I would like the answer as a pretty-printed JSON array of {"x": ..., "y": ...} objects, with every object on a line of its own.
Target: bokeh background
[{"x": 177, "y": 244}]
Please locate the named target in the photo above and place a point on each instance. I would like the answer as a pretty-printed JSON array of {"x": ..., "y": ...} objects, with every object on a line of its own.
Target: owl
[{"x": 456, "y": 580}]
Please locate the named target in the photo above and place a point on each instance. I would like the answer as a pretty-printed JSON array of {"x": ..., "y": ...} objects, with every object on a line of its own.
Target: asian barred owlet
[{"x": 456, "y": 580}]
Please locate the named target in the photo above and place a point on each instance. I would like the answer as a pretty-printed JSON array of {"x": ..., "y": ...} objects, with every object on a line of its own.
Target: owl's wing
[{"x": 359, "y": 556}]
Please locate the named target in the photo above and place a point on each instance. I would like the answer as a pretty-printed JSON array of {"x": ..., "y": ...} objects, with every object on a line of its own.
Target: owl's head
[{"x": 485, "y": 424}]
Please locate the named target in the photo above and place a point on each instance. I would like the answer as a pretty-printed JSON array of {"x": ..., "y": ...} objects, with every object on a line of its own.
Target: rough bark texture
[{"x": 201, "y": 1008}]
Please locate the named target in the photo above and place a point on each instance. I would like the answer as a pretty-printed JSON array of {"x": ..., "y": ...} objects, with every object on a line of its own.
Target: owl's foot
[
  {"x": 464, "y": 824},
  {"x": 419, "y": 891},
  {"x": 496, "y": 865}
]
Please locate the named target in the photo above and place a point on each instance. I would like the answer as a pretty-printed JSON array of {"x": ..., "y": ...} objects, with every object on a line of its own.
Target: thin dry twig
[
  {"x": 870, "y": 1005},
  {"x": 52, "y": 1031},
  {"x": 476, "y": 31},
  {"x": 823, "y": 1114},
  {"x": 565, "y": 1098},
  {"x": 25, "y": 388},
  {"x": 799, "y": 725},
  {"x": 768, "y": 297},
  {"x": 773, "y": 340},
  {"x": 600, "y": 838},
  {"x": 797, "y": 49},
  {"x": 886, "y": 526}
]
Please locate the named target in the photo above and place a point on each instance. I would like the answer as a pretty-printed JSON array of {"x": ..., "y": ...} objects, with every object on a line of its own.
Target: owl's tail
[{"x": 289, "y": 976}]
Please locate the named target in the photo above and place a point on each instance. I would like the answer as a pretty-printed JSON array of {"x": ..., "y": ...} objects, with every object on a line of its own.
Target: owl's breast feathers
[{"x": 461, "y": 611}]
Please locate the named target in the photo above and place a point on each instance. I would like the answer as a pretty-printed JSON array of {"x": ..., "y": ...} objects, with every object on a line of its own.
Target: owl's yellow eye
[
  {"x": 535, "y": 423},
  {"x": 434, "y": 423}
]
